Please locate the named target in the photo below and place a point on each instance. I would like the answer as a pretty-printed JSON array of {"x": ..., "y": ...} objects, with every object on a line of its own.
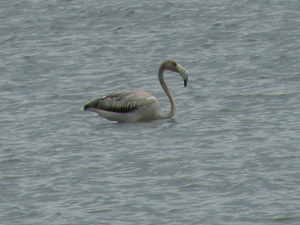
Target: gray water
[{"x": 231, "y": 153}]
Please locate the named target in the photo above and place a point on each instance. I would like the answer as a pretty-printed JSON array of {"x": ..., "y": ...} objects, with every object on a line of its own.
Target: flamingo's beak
[{"x": 184, "y": 73}]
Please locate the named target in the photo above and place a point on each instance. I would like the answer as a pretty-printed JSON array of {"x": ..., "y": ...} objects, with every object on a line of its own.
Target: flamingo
[{"x": 136, "y": 106}]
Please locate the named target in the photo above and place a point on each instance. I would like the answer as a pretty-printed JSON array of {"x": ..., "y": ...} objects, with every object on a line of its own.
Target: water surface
[{"x": 229, "y": 156}]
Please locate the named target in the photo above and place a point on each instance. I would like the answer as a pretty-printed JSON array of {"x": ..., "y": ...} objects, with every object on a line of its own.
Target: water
[{"x": 229, "y": 156}]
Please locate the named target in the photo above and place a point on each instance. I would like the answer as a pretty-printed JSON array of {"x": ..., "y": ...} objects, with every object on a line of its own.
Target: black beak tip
[{"x": 185, "y": 83}]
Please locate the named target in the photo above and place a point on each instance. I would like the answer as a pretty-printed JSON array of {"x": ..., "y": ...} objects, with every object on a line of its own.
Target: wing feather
[{"x": 122, "y": 102}]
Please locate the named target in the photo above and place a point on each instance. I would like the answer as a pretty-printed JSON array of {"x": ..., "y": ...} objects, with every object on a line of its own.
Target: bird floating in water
[{"x": 136, "y": 106}]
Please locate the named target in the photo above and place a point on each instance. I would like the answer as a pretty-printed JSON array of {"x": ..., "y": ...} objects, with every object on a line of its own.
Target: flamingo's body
[{"x": 135, "y": 106}]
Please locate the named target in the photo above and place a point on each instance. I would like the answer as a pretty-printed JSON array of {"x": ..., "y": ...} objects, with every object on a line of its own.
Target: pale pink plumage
[{"x": 134, "y": 106}]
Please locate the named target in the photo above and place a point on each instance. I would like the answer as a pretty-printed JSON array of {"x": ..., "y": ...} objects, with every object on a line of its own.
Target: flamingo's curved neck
[{"x": 166, "y": 90}]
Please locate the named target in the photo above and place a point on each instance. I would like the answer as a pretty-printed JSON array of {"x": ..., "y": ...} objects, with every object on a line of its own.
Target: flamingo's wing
[{"x": 122, "y": 102}]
